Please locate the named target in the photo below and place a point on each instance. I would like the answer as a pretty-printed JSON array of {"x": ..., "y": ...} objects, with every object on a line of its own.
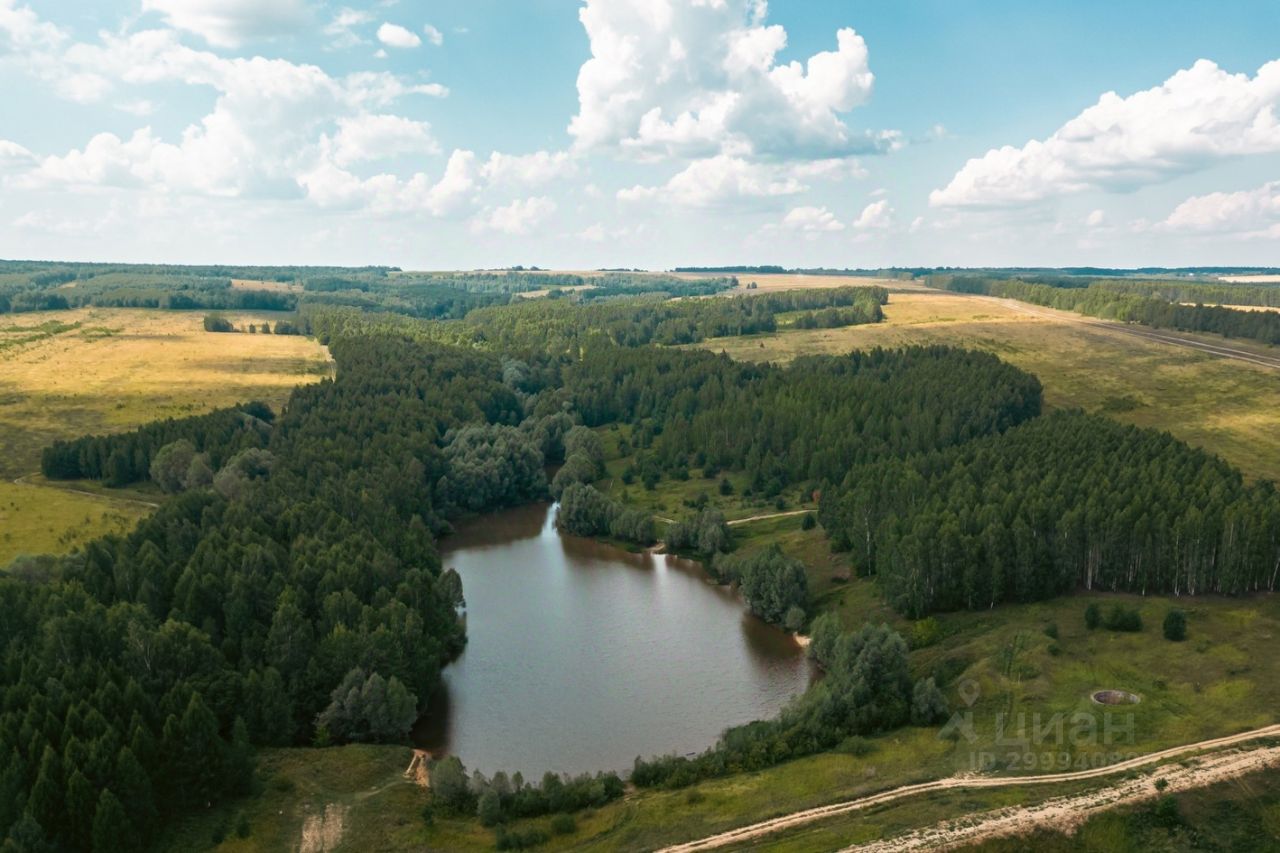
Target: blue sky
[{"x": 584, "y": 133}]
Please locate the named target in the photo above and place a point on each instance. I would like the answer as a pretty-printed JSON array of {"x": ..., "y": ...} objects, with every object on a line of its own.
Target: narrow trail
[
  {"x": 738, "y": 521},
  {"x": 806, "y": 816},
  {"x": 768, "y": 516},
  {"x": 22, "y": 481}
]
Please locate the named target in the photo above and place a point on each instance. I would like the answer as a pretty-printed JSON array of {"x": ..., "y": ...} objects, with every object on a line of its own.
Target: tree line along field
[
  {"x": 1227, "y": 407},
  {"x": 101, "y": 370}
]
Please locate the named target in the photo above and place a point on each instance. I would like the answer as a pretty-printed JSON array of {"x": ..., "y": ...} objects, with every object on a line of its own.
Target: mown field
[
  {"x": 1230, "y": 408},
  {"x": 68, "y": 373}
]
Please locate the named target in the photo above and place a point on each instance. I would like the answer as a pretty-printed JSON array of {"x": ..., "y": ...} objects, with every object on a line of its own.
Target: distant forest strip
[
  {"x": 1114, "y": 301},
  {"x": 563, "y": 324},
  {"x": 768, "y": 269},
  {"x": 32, "y": 286}
]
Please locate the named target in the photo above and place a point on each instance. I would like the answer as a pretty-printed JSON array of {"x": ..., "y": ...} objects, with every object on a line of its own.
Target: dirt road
[
  {"x": 768, "y": 516},
  {"x": 1158, "y": 335},
  {"x": 737, "y": 521},
  {"x": 800, "y": 818},
  {"x": 22, "y": 481},
  {"x": 1064, "y": 814}
]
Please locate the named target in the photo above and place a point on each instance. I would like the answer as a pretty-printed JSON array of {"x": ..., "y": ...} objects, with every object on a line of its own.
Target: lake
[{"x": 581, "y": 656}]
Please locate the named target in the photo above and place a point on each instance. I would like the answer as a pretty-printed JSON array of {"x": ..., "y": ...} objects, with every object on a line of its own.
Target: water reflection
[{"x": 582, "y": 656}]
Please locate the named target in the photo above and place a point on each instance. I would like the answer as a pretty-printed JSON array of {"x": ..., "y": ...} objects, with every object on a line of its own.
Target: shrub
[
  {"x": 928, "y": 705},
  {"x": 925, "y": 633},
  {"x": 1092, "y": 616},
  {"x": 807, "y": 521},
  {"x": 857, "y": 746},
  {"x": 706, "y": 535},
  {"x": 450, "y": 788},
  {"x": 1051, "y": 630},
  {"x": 564, "y": 824},
  {"x": 1175, "y": 626},
  {"x": 520, "y": 839},
  {"x": 217, "y": 323},
  {"x": 170, "y": 465},
  {"x": 1121, "y": 618},
  {"x": 773, "y": 584},
  {"x": 489, "y": 808},
  {"x": 1167, "y": 812}
]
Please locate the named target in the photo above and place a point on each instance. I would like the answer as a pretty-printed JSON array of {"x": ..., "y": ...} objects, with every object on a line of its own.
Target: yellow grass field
[
  {"x": 99, "y": 370},
  {"x": 1240, "y": 307},
  {"x": 1251, "y": 279},
  {"x": 1230, "y": 408}
]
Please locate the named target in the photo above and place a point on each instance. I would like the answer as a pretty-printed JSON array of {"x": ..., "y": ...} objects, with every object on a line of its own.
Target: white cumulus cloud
[
  {"x": 14, "y": 157},
  {"x": 519, "y": 217},
  {"x": 433, "y": 35},
  {"x": 373, "y": 137},
  {"x": 342, "y": 29},
  {"x": 875, "y": 216},
  {"x": 230, "y": 23},
  {"x": 1199, "y": 116},
  {"x": 534, "y": 169},
  {"x": 720, "y": 180},
  {"x": 702, "y": 78},
  {"x": 1248, "y": 213},
  {"x": 811, "y": 220},
  {"x": 272, "y": 121},
  {"x": 394, "y": 35}
]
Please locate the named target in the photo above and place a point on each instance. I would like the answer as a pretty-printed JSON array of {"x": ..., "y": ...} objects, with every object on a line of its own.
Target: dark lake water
[{"x": 581, "y": 656}]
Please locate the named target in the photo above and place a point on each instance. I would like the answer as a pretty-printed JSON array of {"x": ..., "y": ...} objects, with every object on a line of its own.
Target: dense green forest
[
  {"x": 1146, "y": 303},
  {"x": 1064, "y": 501}
]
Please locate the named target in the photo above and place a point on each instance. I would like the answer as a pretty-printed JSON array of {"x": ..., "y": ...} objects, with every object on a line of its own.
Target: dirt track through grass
[
  {"x": 800, "y": 818},
  {"x": 1064, "y": 814}
]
